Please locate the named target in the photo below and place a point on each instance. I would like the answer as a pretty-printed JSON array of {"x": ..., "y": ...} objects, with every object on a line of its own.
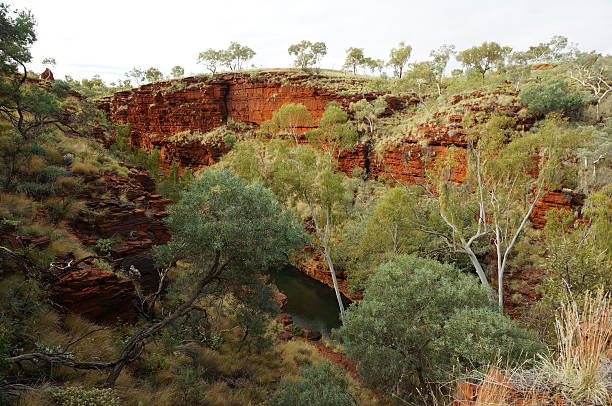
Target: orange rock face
[
  {"x": 556, "y": 200},
  {"x": 99, "y": 296},
  {"x": 159, "y": 110}
]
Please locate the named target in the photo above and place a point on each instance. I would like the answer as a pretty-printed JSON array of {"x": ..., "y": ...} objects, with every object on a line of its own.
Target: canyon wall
[{"x": 160, "y": 110}]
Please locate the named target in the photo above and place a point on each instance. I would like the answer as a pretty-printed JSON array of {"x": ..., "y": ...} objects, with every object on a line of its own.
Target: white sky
[{"x": 110, "y": 37}]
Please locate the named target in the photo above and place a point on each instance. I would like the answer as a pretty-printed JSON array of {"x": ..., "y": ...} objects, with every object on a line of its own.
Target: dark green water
[{"x": 312, "y": 304}]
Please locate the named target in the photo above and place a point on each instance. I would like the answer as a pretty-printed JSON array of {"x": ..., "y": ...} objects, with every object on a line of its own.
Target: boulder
[{"x": 47, "y": 75}]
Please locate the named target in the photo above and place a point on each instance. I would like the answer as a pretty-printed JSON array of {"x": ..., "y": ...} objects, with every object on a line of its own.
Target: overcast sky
[{"x": 110, "y": 37}]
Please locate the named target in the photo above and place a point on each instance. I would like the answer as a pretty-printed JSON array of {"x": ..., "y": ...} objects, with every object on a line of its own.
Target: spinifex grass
[{"x": 581, "y": 366}]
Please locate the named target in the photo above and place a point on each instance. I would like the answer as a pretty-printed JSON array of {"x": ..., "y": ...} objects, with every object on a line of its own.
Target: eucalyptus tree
[
  {"x": 288, "y": 119},
  {"x": 420, "y": 79},
  {"x": 177, "y": 72},
  {"x": 213, "y": 59},
  {"x": 398, "y": 58},
  {"x": 301, "y": 176},
  {"x": 232, "y": 58},
  {"x": 307, "y": 54},
  {"x": 367, "y": 113},
  {"x": 505, "y": 180},
  {"x": 138, "y": 75},
  {"x": 439, "y": 60},
  {"x": 484, "y": 57},
  {"x": 237, "y": 55},
  {"x": 153, "y": 75},
  {"x": 593, "y": 73},
  {"x": 334, "y": 129},
  {"x": 354, "y": 59}
]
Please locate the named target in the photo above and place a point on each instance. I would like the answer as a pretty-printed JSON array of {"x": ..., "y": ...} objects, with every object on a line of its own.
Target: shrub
[
  {"x": 38, "y": 190},
  {"x": 75, "y": 396},
  {"x": 551, "y": 96},
  {"x": 421, "y": 321},
  {"x": 319, "y": 386},
  {"x": 83, "y": 168},
  {"x": 104, "y": 245},
  {"x": 16, "y": 207},
  {"x": 59, "y": 209}
]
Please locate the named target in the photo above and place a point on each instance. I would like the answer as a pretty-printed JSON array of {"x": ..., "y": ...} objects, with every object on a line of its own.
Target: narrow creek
[{"x": 310, "y": 303}]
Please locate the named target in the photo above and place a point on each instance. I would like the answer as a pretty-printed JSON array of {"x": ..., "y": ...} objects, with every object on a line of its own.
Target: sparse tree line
[{"x": 588, "y": 70}]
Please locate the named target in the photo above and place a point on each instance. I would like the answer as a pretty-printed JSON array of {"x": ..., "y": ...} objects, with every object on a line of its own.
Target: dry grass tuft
[{"x": 582, "y": 369}]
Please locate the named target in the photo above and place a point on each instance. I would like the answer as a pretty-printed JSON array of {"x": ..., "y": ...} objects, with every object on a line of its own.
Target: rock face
[
  {"x": 556, "y": 200},
  {"x": 127, "y": 211},
  {"x": 47, "y": 75},
  {"x": 159, "y": 110},
  {"x": 97, "y": 295}
]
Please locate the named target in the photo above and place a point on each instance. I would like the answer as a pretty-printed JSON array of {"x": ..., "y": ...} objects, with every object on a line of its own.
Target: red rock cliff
[{"x": 157, "y": 111}]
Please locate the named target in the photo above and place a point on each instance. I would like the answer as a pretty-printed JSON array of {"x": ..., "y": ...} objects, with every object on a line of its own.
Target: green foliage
[
  {"x": 355, "y": 58},
  {"x": 177, "y": 72},
  {"x": 398, "y": 58},
  {"x": 220, "y": 214},
  {"x": 551, "y": 96},
  {"x": 388, "y": 229},
  {"x": 421, "y": 321},
  {"x": 307, "y": 54},
  {"x": 366, "y": 113},
  {"x": 419, "y": 79},
  {"x": 324, "y": 385},
  {"x": 75, "y": 396},
  {"x": 138, "y": 75},
  {"x": 22, "y": 305},
  {"x": 440, "y": 57},
  {"x": 544, "y": 52},
  {"x": 175, "y": 182},
  {"x": 153, "y": 75},
  {"x": 213, "y": 59},
  {"x": 579, "y": 256},
  {"x": 484, "y": 57},
  {"x": 17, "y": 36},
  {"x": 334, "y": 129},
  {"x": 104, "y": 245},
  {"x": 286, "y": 120},
  {"x": 233, "y": 57}
]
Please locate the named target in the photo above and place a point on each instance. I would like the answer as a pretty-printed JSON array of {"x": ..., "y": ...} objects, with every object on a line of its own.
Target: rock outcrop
[
  {"x": 47, "y": 75},
  {"x": 560, "y": 200},
  {"x": 127, "y": 212},
  {"x": 159, "y": 110},
  {"x": 96, "y": 295}
]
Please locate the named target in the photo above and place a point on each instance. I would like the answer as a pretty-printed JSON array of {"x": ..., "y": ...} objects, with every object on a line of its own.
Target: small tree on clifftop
[
  {"x": 307, "y": 54},
  {"x": 399, "y": 57},
  {"x": 484, "y": 57}
]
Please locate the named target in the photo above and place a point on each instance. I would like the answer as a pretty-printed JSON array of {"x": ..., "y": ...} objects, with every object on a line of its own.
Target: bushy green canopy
[
  {"x": 324, "y": 385},
  {"x": 422, "y": 321},
  {"x": 220, "y": 214},
  {"x": 552, "y": 96}
]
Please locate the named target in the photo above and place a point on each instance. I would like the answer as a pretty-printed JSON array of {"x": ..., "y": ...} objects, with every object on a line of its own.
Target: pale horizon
[{"x": 119, "y": 36}]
